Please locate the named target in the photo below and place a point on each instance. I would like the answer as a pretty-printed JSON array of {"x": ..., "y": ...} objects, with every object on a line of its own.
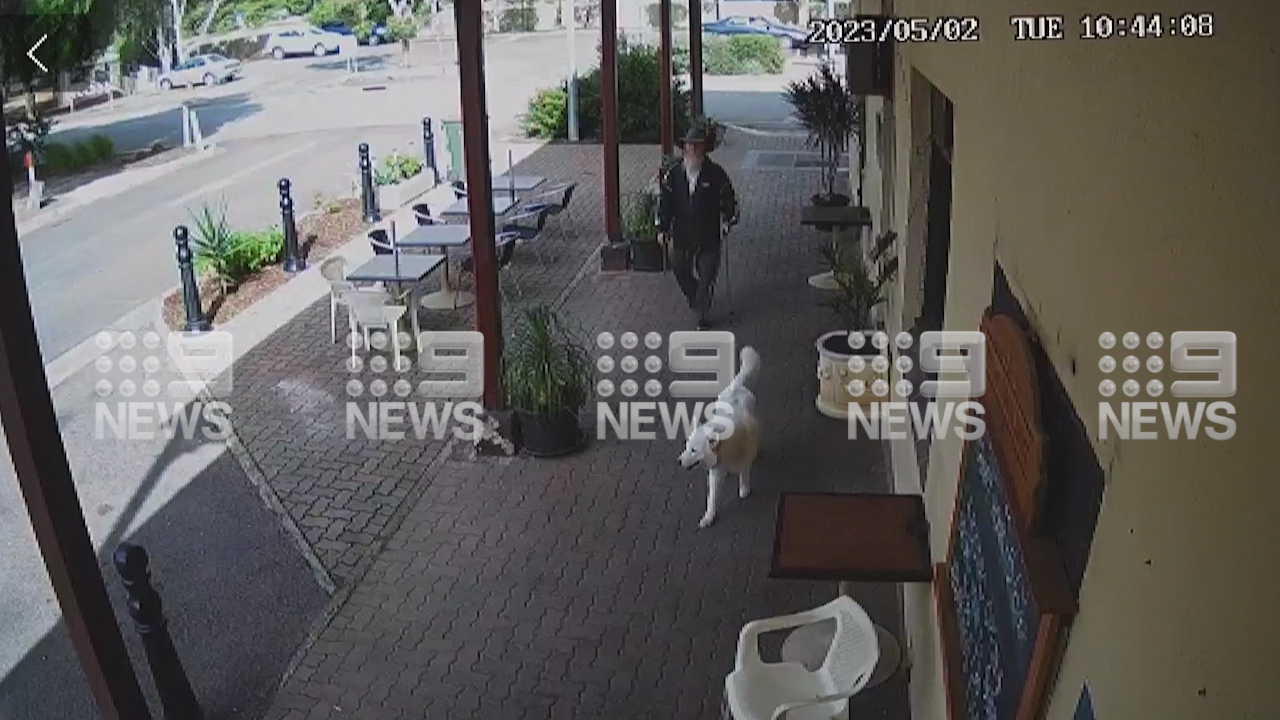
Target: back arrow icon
[{"x": 32, "y": 53}]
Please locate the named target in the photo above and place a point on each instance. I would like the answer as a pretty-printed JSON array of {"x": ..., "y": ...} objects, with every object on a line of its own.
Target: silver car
[
  {"x": 302, "y": 41},
  {"x": 201, "y": 70}
]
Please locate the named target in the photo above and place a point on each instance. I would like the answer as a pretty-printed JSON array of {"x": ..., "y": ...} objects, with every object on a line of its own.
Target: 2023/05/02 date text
[{"x": 879, "y": 29}]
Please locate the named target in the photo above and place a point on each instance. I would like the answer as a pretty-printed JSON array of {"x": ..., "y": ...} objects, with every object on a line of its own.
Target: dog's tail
[{"x": 748, "y": 367}]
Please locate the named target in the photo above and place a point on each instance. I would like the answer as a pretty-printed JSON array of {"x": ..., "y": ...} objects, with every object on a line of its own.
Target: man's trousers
[{"x": 695, "y": 268}]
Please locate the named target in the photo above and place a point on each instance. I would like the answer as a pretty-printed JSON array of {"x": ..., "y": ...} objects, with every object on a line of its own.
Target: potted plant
[
  {"x": 547, "y": 378},
  {"x": 830, "y": 113},
  {"x": 399, "y": 179},
  {"x": 860, "y": 288},
  {"x": 639, "y": 227}
]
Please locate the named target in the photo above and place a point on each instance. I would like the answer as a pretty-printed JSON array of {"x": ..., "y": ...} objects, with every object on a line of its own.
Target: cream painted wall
[{"x": 1127, "y": 185}]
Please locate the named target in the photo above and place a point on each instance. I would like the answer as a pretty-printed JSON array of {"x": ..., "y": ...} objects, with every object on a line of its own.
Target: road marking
[{"x": 228, "y": 180}]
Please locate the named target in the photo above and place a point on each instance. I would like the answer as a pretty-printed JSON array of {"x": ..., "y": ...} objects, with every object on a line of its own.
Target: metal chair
[
  {"x": 549, "y": 200},
  {"x": 422, "y": 213},
  {"x": 757, "y": 690},
  {"x": 506, "y": 246},
  {"x": 459, "y": 189},
  {"x": 529, "y": 234},
  {"x": 381, "y": 242}
]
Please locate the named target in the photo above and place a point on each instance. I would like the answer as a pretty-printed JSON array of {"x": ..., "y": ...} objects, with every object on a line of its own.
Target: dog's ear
[{"x": 713, "y": 441}]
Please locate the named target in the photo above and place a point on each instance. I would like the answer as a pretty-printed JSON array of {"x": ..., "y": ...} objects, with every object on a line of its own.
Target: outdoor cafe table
[
  {"x": 443, "y": 237},
  {"x": 400, "y": 269},
  {"x": 849, "y": 537},
  {"x": 502, "y": 204}
]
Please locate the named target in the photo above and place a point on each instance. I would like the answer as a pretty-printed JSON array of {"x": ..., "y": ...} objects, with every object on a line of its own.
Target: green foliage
[
  {"x": 545, "y": 367},
  {"x": 396, "y": 168},
  {"x": 60, "y": 158},
  {"x": 401, "y": 30},
  {"x": 31, "y": 135},
  {"x": 229, "y": 255},
  {"x": 830, "y": 113},
  {"x": 547, "y": 116},
  {"x": 858, "y": 291},
  {"x": 518, "y": 16},
  {"x": 332, "y": 11},
  {"x": 74, "y": 32},
  {"x": 639, "y": 215},
  {"x": 819, "y": 10},
  {"x": 637, "y": 99},
  {"x": 743, "y": 55}
]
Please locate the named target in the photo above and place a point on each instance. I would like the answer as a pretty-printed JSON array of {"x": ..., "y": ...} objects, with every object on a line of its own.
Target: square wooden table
[
  {"x": 856, "y": 537},
  {"x": 849, "y": 537}
]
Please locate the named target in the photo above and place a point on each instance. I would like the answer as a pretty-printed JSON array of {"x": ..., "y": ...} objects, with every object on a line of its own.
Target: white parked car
[
  {"x": 201, "y": 70},
  {"x": 302, "y": 41}
]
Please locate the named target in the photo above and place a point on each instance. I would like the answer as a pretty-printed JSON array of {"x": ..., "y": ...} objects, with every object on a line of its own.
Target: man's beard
[{"x": 692, "y": 166}]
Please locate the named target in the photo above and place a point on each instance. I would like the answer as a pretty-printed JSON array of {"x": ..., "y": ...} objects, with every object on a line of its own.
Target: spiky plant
[
  {"x": 825, "y": 107},
  {"x": 545, "y": 369}
]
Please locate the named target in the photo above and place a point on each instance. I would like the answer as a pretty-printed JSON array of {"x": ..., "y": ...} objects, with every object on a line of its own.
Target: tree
[{"x": 74, "y": 32}]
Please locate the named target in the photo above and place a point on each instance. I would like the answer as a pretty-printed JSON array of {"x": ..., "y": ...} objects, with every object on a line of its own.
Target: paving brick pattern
[{"x": 579, "y": 587}]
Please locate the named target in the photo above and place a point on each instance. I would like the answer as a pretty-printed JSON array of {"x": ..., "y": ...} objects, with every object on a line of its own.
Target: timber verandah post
[
  {"x": 44, "y": 475},
  {"x": 609, "y": 117},
  {"x": 667, "y": 131},
  {"x": 469, "y": 19}
]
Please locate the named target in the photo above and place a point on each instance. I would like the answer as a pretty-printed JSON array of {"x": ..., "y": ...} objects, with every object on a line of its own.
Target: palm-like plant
[
  {"x": 215, "y": 245},
  {"x": 831, "y": 114},
  {"x": 858, "y": 291},
  {"x": 545, "y": 369}
]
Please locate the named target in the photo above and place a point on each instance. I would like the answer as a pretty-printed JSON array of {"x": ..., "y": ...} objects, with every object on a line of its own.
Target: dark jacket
[{"x": 695, "y": 221}]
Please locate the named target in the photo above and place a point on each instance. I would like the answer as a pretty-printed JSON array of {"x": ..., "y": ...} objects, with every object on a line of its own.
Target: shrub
[
  {"x": 396, "y": 168},
  {"x": 335, "y": 11},
  {"x": 103, "y": 148},
  {"x": 787, "y": 11},
  {"x": 637, "y": 99},
  {"x": 743, "y": 55},
  {"x": 229, "y": 255},
  {"x": 401, "y": 30},
  {"x": 519, "y": 16},
  {"x": 253, "y": 251},
  {"x": 639, "y": 215},
  {"x": 58, "y": 157},
  {"x": 84, "y": 155}
]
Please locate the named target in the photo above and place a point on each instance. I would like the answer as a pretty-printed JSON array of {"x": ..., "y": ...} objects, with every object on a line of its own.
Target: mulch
[{"x": 321, "y": 233}]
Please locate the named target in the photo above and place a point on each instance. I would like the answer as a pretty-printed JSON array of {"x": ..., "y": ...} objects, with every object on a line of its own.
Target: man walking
[{"x": 695, "y": 206}]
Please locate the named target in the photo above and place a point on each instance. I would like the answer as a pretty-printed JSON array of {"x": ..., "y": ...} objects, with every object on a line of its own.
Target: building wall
[{"x": 1128, "y": 184}]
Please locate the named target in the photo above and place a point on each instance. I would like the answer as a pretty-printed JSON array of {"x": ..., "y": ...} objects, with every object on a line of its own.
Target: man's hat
[{"x": 694, "y": 135}]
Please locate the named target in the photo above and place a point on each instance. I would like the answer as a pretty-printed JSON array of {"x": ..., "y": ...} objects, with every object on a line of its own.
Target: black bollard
[
  {"x": 293, "y": 261},
  {"x": 177, "y": 698},
  {"x": 429, "y": 147},
  {"x": 190, "y": 290},
  {"x": 368, "y": 199}
]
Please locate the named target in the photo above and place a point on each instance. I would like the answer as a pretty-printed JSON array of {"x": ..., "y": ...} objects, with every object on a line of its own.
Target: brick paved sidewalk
[{"x": 579, "y": 587}]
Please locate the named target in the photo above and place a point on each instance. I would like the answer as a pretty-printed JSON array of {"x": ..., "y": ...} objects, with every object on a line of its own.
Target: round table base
[
  {"x": 808, "y": 645},
  {"x": 447, "y": 300}
]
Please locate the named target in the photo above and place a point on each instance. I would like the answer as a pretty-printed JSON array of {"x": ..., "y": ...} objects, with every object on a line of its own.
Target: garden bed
[{"x": 320, "y": 234}]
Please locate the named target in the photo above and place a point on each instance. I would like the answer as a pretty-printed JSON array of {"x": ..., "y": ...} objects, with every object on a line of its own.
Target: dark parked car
[
  {"x": 757, "y": 26},
  {"x": 377, "y": 37}
]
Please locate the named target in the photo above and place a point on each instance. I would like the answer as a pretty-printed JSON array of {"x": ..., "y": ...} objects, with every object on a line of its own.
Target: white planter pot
[
  {"x": 392, "y": 197},
  {"x": 834, "y": 377}
]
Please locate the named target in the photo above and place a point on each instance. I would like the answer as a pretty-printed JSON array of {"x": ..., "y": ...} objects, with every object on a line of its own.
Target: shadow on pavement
[
  {"x": 238, "y": 597},
  {"x": 164, "y": 125}
]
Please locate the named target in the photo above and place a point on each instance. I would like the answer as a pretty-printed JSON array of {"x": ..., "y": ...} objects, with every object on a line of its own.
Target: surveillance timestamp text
[{"x": 880, "y": 29}]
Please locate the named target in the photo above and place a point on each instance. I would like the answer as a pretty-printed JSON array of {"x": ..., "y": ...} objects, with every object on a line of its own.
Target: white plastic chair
[
  {"x": 757, "y": 690},
  {"x": 334, "y": 270},
  {"x": 373, "y": 310}
]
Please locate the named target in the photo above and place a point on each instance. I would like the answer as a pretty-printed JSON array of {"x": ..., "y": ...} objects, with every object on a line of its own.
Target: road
[{"x": 300, "y": 119}]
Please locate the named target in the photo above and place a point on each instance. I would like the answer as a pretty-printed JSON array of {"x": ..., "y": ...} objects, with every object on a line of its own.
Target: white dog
[{"x": 733, "y": 451}]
